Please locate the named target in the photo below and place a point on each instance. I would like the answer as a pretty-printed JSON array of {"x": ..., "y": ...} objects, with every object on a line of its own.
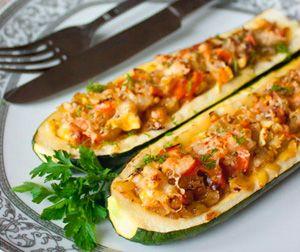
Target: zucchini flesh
[
  {"x": 135, "y": 223},
  {"x": 45, "y": 139}
]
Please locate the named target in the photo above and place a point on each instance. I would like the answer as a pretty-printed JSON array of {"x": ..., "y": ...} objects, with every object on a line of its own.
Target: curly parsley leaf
[
  {"x": 79, "y": 200},
  {"x": 85, "y": 236},
  {"x": 56, "y": 211},
  {"x": 38, "y": 192},
  {"x": 88, "y": 161},
  {"x": 54, "y": 170}
]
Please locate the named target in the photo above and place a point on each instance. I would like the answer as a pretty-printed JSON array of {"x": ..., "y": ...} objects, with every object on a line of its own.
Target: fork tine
[
  {"x": 31, "y": 46},
  {"x": 32, "y": 62},
  {"x": 24, "y": 70},
  {"x": 27, "y": 53}
]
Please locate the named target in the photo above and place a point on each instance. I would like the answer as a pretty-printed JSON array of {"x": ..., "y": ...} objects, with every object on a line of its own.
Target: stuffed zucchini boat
[
  {"x": 132, "y": 110},
  {"x": 212, "y": 166}
]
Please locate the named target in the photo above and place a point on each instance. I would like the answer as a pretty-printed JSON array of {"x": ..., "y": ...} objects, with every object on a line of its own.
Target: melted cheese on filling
[
  {"x": 147, "y": 98},
  {"x": 186, "y": 178}
]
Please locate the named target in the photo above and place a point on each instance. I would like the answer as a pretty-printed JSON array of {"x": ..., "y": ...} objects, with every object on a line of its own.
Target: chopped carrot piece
[
  {"x": 224, "y": 75},
  {"x": 179, "y": 91},
  {"x": 106, "y": 107},
  {"x": 224, "y": 55},
  {"x": 196, "y": 80},
  {"x": 249, "y": 38},
  {"x": 155, "y": 91}
]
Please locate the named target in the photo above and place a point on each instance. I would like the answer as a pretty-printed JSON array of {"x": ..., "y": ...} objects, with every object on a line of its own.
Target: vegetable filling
[
  {"x": 186, "y": 179},
  {"x": 146, "y": 99}
]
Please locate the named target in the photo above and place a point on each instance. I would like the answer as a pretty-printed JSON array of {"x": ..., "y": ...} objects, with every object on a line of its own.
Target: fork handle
[{"x": 111, "y": 14}]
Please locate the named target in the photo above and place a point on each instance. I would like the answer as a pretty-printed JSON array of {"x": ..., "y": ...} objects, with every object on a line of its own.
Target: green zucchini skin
[{"x": 155, "y": 238}]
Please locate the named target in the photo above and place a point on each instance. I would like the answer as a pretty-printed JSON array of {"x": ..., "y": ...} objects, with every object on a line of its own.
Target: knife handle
[{"x": 184, "y": 7}]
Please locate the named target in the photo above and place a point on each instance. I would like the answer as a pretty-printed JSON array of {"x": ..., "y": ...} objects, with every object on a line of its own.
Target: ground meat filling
[
  {"x": 183, "y": 180},
  {"x": 146, "y": 99}
]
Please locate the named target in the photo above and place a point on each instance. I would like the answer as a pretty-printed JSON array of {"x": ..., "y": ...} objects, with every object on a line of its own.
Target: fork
[{"x": 57, "y": 47}]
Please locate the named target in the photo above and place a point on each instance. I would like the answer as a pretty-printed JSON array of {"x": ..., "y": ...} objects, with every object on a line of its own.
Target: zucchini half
[
  {"x": 135, "y": 223},
  {"x": 45, "y": 139}
]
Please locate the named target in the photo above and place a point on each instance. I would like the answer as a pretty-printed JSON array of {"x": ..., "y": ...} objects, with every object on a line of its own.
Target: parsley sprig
[{"x": 78, "y": 198}]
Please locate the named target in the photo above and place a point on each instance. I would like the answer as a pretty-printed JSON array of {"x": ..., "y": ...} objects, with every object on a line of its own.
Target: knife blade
[{"x": 106, "y": 54}]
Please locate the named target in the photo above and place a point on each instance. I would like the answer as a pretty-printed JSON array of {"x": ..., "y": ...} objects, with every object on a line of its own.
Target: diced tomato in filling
[
  {"x": 239, "y": 163},
  {"x": 170, "y": 81},
  {"x": 196, "y": 81},
  {"x": 197, "y": 174},
  {"x": 106, "y": 107},
  {"x": 155, "y": 91},
  {"x": 180, "y": 89},
  {"x": 224, "y": 55},
  {"x": 215, "y": 176},
  {"x": 172, "y": 151},
  {"x": 242, "y": 160}
]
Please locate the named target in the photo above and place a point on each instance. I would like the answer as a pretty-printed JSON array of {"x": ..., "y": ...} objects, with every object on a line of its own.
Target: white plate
[{"x": 270, "y": 224}]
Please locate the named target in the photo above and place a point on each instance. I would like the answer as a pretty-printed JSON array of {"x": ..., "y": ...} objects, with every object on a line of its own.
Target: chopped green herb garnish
[
  {"x": 152, "y": 158},
  {"x": 95, "y": 87},
  {"x": 129, "y": 81},
  {"x": 129, "y": 78},
  {"x": 213, "y": 151},
  {"x": 282, "y": 89},
  {"x": 78, "y": 199},
  {"x": 89, "y": 106},
  {"x": 235, "y": 67},
  {"x": 282, "y": 48},
  {"x": 161, "y": 158},
  {"x": 148, "y": 159},
  {"x": 253, "y": 56},
  {"x": 168, "y": 145},
  {"x": 78, "y": 111},
  {"x": 239, "y": 140},
  {"x": 207, "y": 161},
  {"x": 131, "y": 133}
]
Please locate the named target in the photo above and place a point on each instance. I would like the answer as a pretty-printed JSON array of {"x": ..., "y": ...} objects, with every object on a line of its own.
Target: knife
[{"x": 106, "y": 54}]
